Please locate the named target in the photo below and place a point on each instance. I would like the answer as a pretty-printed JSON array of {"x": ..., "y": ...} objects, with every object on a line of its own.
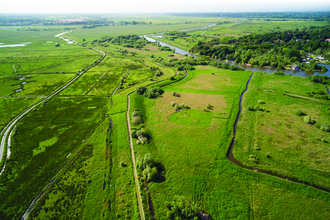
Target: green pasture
[
  {"x": 195, "y": 164},
  {"x": 202, "y": 80},
  {"x": 288, "y": 145}
]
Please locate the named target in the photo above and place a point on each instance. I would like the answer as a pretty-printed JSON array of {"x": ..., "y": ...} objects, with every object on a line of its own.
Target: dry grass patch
[{"x": 195, "y": 101}]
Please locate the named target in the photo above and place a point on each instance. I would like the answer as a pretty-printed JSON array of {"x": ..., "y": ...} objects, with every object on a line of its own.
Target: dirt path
[{"x": 137, "y": 185}]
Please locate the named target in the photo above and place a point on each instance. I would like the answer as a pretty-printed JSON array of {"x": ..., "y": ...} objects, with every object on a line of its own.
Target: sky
[{"x": 148, "y": 6}]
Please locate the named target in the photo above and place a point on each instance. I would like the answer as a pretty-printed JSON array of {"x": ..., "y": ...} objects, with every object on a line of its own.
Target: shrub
[
  {"x": 299, "y": 112},
  {"x": 140, "y": 90},
  {"x": 256, "y": 107},
  {"x": 137, "y": 120},
  {"x": 208, "y": 106},
  {"x": 133, "y": 133},
  {"x": 261, "y": 102},
  {"x": 138, "y": 142},
  {"x": 173, "y": 93},
  {"x": 250, "y": 108},
  {"x": 172, "y": 78},
  {"x": 143, "y": 140},
  {"x": 278, "y": 73},
  {"x": 141, "y": 132},
  {"x": 256, "y": 147},
  {"x": 135, "y": 113},
  {"x": 173, "y": 104},
  {"x": 122, "y": 163},
  {"x": 176, "y": 107},
  {"x": 186, "y": 106},
  {"x": 309, "y": 120},
  {"x": 325, "y": 127}
]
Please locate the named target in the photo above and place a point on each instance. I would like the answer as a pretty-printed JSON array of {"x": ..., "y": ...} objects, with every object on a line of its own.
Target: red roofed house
[{"x": 327, "y": 40}]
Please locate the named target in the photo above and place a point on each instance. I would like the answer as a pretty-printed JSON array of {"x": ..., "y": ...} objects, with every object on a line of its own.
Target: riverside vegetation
[{"x": 182, "y": 112}]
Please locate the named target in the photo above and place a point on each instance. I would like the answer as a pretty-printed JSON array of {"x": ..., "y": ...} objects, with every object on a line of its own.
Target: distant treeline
[
  {"x": 277, "y": 49},
  {"x": 302, "y": 15}
]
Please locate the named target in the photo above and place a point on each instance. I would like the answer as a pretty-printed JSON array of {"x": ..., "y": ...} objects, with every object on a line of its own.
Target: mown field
[{"x": 280, "y": 140}]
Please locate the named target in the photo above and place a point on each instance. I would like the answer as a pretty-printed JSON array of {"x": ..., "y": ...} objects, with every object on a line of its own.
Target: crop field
[
  {"x": 279, "y": 139},
  {"x": 71, "y": 122}
]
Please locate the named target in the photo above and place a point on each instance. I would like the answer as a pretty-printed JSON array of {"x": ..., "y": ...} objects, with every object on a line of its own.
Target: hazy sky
[{"x": 120, "y": 6}]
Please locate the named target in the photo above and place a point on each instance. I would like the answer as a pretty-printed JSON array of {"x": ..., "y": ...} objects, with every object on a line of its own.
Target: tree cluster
[
  {"x": 152, "y": 92},
  {"x": 180, "y": 208},
  {"x": 277, "y": 49},
  {"x": 148, "y": 166},
  {"x": 130, "y": 41}
]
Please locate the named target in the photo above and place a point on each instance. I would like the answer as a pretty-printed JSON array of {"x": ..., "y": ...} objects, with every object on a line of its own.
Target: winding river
[{"x": 302, "y": 73}]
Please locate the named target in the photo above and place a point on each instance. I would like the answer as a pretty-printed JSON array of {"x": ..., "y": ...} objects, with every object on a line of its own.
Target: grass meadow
[
  {"x": 194, "y": 160},
  {"x": 288, "y": 145}
]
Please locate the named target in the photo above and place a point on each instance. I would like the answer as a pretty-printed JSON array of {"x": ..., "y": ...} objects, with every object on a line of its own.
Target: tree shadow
[{"x": 161, "y": 170}]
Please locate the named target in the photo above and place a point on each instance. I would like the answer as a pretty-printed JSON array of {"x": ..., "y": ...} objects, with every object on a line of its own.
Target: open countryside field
[
  {"x": 280, "y": 141},
  {"x": 158, "y": 148},
  {"x": 196, "y": 167}
]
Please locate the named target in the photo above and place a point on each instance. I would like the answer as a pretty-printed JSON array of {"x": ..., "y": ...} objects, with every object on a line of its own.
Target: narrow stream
[{"x": 231, "y": 157}]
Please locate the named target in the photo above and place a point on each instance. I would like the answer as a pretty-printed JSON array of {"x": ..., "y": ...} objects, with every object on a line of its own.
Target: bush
[
  {"x": 138, "y": 142},
  {"x": 141, "y": 132},
  {"x": 135, "y": 113},
  {"x": 140, "y": 90},
  {"x": 325, "y": 127},
  {"x": 137, "y": 120},
  {"x": 309, "y": 120},
  {"x": 250, "y": 108},
  {"x": 173, "y": 104},
  {"x": 208, "y": 106},
  {"x": 256, "y": 147},
  {"x": 173, "y": 93},
  {"x": 278, "y": 73},
  {"x": 143, "y": 140},
  {"x": 299, "y": 112},
  {"x": 261, "y": 102},
  {"x": 122, "y": 163}
]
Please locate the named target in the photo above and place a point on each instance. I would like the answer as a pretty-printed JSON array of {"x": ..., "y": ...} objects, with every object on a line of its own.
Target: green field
[
  {"x": 76, "y": 146},
  {"x": 288, "y": 145}
]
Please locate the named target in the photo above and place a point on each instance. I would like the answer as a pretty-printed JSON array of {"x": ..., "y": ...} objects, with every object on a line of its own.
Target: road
[
  {"x": 137, "y": 185},
  {"x": 13, "y": 122}
]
